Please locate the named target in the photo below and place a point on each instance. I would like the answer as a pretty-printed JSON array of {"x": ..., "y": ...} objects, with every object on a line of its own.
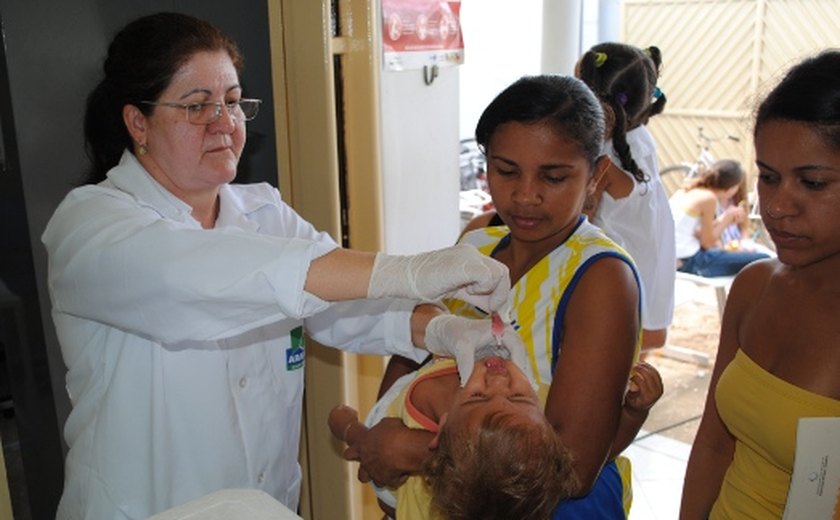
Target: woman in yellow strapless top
[{"x": 779, "y": 353}]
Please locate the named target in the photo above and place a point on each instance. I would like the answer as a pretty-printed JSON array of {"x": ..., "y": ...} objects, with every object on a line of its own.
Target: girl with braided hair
[
  {"x": 629, "y": 202},
  {"x": 624, "y": 79}
]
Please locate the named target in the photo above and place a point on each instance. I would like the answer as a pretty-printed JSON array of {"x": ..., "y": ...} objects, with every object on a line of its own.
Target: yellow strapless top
[{"x": 761, "y": 411}]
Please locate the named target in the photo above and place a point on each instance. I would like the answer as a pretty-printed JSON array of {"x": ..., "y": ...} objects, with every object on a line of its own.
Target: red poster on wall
[{"x": 416, "y": 33}]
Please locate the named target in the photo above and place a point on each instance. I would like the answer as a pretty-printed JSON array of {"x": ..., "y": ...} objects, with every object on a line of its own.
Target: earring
[{"x": 141, "y": 149}]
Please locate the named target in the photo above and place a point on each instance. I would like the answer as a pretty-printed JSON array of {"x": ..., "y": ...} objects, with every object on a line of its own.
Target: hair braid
[
  {"x": 619, "y": 140},
  {"x": 624, "y": 78}
]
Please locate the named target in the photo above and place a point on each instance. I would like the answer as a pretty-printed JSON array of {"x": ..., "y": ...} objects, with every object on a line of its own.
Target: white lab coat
[{"x": 185, "y": 367}]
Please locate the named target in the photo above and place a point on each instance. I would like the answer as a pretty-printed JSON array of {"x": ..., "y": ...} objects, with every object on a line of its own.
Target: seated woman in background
[
  {"x": 740, "y": 236},
  {"x": 699, "y": 223},
  {"x": 733, "y": 236}
]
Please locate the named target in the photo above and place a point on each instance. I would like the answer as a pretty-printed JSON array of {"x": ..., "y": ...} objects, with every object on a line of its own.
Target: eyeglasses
[{"x": 209, "y": 112}]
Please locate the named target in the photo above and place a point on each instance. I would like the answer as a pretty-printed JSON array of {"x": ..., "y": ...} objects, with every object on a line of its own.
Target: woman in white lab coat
[{"x": 180, "y": 299}]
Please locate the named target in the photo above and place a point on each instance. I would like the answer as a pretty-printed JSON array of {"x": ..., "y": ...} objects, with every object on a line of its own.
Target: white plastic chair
[{"x": 720, "y": 284}]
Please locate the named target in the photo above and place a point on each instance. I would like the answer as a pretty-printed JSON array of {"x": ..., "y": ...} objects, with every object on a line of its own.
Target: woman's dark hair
[
  {"x": 563, "y": 102},
  {"x": 808, "y": 93},
  {"x": 721, "y": 175},
  {"x": 624, "y": 78},
  {"x": 141, "y": 60}
]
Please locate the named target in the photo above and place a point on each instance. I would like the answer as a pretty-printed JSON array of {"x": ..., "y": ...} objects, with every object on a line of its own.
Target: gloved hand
[
  {"x": 459, "y": 271},
  {"x": 467, "y": 339}
]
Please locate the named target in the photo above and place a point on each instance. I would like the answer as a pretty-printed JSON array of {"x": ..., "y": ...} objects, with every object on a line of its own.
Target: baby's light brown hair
[{"x": 510, "y": 470}]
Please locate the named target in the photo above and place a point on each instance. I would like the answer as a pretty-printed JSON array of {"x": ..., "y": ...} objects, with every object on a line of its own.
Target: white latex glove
[
  {"x": 467, "y": 339},
  {"x": 459, "y": 271}
]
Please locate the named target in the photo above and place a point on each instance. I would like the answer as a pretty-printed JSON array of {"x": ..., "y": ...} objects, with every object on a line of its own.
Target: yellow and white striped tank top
[{"x": 540, "y": 297}]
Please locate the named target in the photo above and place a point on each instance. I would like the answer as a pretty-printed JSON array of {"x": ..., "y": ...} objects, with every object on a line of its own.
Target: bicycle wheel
[{"x": 673, "y": 177}]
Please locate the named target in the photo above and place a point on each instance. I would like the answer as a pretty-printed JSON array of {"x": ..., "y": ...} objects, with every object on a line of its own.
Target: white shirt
[
  {"x": 685, "y": 227},
  {"x": 183, "y": 349},
  {"x": 642, "y": 224}
]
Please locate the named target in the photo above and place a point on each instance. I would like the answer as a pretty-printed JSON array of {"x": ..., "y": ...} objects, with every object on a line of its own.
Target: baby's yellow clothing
[
  {"x": 762, "y": 412},
  {"x": 413, "y": 498}
]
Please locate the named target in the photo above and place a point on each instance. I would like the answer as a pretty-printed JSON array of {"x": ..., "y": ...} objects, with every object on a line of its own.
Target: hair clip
[
  {"x": 622, "y": 98},
  {"x": 600, "y": 59},
  {"x": 648, "y": 51},
  {"x": 657, "y": 93}
]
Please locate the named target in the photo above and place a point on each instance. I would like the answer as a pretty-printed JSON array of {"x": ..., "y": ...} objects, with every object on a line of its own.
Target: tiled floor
[
  {"x": 658, "y": 471},
  {"x": 660, "y": 454}
]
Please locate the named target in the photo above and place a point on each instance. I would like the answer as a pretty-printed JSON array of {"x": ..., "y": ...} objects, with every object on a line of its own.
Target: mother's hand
[{"x": 388, "y": 452}]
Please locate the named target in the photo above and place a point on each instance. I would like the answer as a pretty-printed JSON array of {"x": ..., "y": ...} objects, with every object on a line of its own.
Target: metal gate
[{"x": 719, "y": 57}]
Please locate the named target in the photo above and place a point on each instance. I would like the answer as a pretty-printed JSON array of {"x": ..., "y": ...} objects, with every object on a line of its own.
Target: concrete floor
[{"x": 660, "y": 452}]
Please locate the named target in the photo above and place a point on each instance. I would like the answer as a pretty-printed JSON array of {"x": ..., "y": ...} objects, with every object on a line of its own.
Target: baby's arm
[
  {"x": 368, "y": 445},
  {"x": 342, "y": 420},
  {"x": 345, "y": 426},
  {"x": 644, "y": 390}
]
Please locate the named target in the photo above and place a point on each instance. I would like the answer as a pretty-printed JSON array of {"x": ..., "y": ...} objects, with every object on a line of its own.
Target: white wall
[
  {"x": 561, "y": 34},
  {"x": 502, "y": 41},
  {"x": 422, "y": 125},
  {"x": 420, "y": 160},
  {"x": 606, "y": 20},
  {"x": 505, "y": 40}
]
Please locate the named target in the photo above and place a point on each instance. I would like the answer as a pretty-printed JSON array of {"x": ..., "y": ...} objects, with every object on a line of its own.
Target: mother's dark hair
[
  {"x": 141, "y": 60},
  {"x": 563, "y": 102},
  {"x": 808, "y": 93}
]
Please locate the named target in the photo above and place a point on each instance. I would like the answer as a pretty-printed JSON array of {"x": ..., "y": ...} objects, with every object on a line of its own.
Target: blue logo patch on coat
[{"x": 295, "y": 355}]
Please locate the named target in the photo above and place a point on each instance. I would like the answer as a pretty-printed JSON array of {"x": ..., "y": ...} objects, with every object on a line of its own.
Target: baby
[{"x": 493, "y": 453}]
